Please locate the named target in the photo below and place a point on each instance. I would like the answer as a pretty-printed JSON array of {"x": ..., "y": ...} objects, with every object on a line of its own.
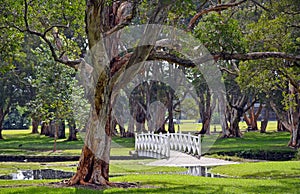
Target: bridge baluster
[{"x": 161, "y": 144}]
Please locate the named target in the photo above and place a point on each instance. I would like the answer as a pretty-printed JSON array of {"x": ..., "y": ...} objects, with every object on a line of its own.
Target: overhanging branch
[
  {"x": 161, "y": 55},
  {"x": 219, "y": 7},
  {"x": 255, "y": 56},
  {"x": 71, "y": 63}
]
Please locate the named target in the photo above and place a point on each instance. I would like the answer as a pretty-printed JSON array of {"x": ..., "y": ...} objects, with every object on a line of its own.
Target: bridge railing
[
  {"x": 155, "y": 143},
  {"x": 186, "y": 143},
  {"x": 161, "y": 144}
]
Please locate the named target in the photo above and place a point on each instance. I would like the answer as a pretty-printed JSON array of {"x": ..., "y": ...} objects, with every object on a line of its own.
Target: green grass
[
  {"x": 254, "y": 141},
  {"x": 22, "y": 142},
  {"x": 191, "y": 184},
  {"x": 48, "y": 190},
  {"x": 193, "y": 126},
  {"x": 166, "y": 184},
  {"x": 288, "y": 169},
  {"x": 35, "y": 144},
  {"x": 265, "y": 177}
]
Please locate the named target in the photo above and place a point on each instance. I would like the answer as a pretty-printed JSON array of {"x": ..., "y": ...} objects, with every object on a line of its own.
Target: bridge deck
[{"x": 180, "y": 159}]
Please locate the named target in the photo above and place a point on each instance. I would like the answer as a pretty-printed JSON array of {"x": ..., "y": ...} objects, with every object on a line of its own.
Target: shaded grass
[
  {"x": 254, "y": 141},
  {"x": 22, "y": 142},
  {"x": 288, "y": 169}
]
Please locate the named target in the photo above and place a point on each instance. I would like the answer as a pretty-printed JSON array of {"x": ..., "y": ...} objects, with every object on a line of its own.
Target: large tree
[{"x": 103, "y": 20}]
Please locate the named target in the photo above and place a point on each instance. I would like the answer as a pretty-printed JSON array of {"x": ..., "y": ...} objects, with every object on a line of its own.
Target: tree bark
[
  {"x": 236, "y": 111},
  {"x": 93, "y": 165},
  {"x": 1, "y": 122},
  {"x": 252, "y": 117},
  {"x": 290, "y": 119},
  {"x": 171, "y": 128},
  {"x": 72, "y": 130},
  {"x": 265, "y": 119},
  {"x": 35, "y": 124},
  {"x": 3, "y": 112},
  {"x": 130, "y": 130}
]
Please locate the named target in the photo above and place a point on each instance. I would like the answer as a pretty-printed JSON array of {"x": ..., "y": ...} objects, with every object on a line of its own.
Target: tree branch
[
  {"x": 55, "y": 26},
  {"x": 255, "y": 56},
  {"x": 161, "y": 55},
  {"x": 219, "y": 7},
  {"x": 260, "y": 5},
  {"x": 71, "y": 63}
]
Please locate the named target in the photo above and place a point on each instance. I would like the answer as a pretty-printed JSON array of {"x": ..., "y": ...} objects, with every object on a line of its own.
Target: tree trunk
[
  {"x": 222, "y": 112},
  {"x": 72, "y": 130},
  {"x": 236, "y": 111},
  {"x": 3, "y": 113},
  {"x": 265, "y": 119},
  {"x": 61, "y": 134},
  {"x": 171, "y": 128},
  {"x": 290, "y": 119},
  {"x": 294, "y": 116},
  {"x": 252, "y": 117},
  {"x": 94, "y": 160},
  {"x": 56, "y": 126},
  {"x": 130, "y": 130},
  {"x": 35, "y": 124},
  {"x": 1, "y": 122},
  {"x": 281, "y": 127},
  {"x": 234, "y": 128},
  {"x": 45, "y": 129}
]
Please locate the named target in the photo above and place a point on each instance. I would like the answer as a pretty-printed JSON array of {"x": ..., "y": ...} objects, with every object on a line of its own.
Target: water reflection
[
  {"x": 38, "y": 174},
  {"x": 201, "y": 171}
]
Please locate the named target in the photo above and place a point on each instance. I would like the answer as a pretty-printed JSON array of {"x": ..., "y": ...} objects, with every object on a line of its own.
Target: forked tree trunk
[
  {"x": 252, "y": 117},
  {"x": 100, "y": 18},
  {"x": 236, "y": 111},
  {"x": 280, "y": 126},
  {"x": 290, "y": 119},
  {"x": 234, "y": 128}
]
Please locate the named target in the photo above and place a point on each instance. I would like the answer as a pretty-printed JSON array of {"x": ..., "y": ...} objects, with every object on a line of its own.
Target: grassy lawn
[
  {"x": 288, "y": 169},
  {"x": 254, "y": 141},
  {"x": 22, "y": 142},
  {"x": 167, "y": 184},
  {"x": 261, "y": 177}
]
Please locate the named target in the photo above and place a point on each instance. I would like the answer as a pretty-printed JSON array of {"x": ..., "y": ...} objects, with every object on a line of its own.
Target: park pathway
[{"x": 180, "y": 159}]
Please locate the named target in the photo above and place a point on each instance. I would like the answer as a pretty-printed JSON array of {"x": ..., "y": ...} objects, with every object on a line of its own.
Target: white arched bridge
[{"x": 159, "y": 145}]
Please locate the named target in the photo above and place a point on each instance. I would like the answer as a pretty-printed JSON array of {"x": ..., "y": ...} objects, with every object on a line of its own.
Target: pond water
[
  {"x": 38, "y": 174},
  {"x": 201, "y": 171},
  {"x": 58, "y": 174}
]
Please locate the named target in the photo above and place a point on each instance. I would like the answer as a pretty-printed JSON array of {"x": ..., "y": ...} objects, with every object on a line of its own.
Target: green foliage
[
  {"x": 220, "y": 33},
  {"x": 53, "y": 84},
  {"x": 189, "y": 109}
]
